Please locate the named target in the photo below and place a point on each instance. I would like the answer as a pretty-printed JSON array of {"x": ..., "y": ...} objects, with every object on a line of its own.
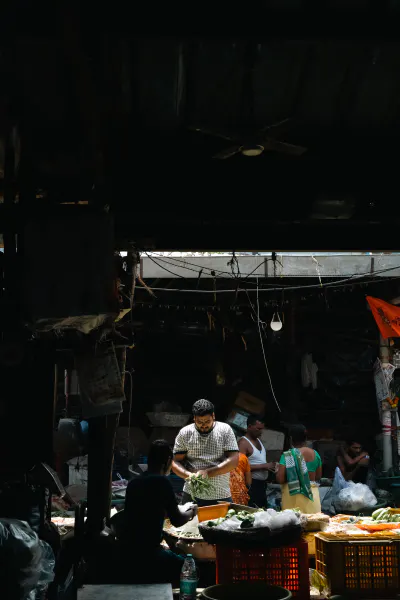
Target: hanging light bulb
[{"x": 276, "y": 323}]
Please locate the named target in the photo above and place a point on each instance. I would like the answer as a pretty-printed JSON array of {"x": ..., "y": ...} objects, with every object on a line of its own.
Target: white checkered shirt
[{"x": 206, "y": 451}]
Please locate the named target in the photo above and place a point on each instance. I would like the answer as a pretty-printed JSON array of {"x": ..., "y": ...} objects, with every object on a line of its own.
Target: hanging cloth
[
  {"x": 387, "y": 317},
  {"x": 297, "y": 474}
]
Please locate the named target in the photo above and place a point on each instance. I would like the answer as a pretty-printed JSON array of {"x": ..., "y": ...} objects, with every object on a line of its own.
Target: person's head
[
  {"x": 354, "y": 448},
  {"x": 160, "y": 458},
  {"x": 203, "y": 415},
  {"x": 255, "y": 426},
  {"x": 298, "y": 435}
]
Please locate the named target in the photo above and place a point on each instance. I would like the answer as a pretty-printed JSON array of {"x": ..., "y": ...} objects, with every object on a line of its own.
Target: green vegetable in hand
[{"x": 198, "y": 485}]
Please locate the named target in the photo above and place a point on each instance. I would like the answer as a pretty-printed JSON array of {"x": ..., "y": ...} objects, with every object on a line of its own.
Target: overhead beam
[
  {"x": 164, "y": 266},
  {"x": 194, "y": 231},
  {"x": 305, "y": 236}
]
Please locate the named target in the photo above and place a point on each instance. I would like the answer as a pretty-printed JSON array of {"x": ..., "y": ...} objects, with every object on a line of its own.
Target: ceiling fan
[{"x": 252, "y": 143}]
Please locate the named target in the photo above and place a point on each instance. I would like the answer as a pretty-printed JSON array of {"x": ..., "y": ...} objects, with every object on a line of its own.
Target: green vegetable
[
  {"x": 384, "y": 515},
  {"x": 198, "y": 485},
  {"x": 381, "y": 514},
  {"x": 247, "y": 519},
  {"x": 247, "y": 523}
]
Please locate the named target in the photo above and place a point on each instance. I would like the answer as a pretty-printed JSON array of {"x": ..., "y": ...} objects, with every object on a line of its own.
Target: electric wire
[
  {"x": 263, "y": 352},
  {"x": 331, "y": 285}
]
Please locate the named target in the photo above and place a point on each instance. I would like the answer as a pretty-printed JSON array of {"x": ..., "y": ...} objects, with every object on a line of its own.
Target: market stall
[{"x": 361, "y": 555}]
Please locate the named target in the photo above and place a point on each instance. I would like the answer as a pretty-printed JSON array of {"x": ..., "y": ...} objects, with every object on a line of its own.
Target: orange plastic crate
[
  {"x": 207, "y": 513},
  {"x": 286, "y": 566},
  {"x": 369, "y": 569}
]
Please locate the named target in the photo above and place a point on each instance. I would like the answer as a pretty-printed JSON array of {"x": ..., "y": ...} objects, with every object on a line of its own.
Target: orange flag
[{"x": 387, "y": 317}]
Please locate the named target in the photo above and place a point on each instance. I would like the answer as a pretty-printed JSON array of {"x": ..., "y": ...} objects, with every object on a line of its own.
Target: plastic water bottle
[{"x": 188, "y": 588}]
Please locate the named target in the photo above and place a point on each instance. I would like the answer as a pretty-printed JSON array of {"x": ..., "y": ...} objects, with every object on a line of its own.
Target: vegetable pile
[
  {"x": 381, "y": 520},
  {"x": 198, "y": 485},
  {"x": 247, "y": 519},
  {"x": 385, "y": 515},
  {"x": 274, "y": 521}
]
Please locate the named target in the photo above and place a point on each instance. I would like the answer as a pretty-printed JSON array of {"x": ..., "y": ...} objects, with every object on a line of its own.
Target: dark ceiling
[{"x": 104, "y": 113}]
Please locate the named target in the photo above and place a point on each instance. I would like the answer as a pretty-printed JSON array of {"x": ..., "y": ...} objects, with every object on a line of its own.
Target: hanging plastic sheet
[{"x": 100, "y": 381}]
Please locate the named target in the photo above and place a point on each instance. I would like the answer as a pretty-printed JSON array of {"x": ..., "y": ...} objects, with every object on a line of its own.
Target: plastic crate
[
  {"x": 286, "y": 567},
  {"x": 215, "y": 511},
  {"x": 361, "y": 568}
]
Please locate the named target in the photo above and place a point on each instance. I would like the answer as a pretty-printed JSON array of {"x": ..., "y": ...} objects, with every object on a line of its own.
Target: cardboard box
[
  {"x": 272, "y": 440},
  {"x": 250, "y": 404},
  {"x": 238, "y": 420}
]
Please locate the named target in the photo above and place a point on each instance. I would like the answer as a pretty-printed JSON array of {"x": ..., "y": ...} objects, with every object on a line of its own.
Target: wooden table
[{"x": 126, "y": 592}]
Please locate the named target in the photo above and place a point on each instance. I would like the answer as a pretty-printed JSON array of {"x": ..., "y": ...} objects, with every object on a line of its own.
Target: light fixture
[
  {"x": 276, "y": 323},
  {"x": 252, "y": 150}
]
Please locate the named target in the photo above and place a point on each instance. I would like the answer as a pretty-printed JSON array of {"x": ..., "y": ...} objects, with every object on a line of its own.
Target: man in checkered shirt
[{"x": 208, "y": 448}]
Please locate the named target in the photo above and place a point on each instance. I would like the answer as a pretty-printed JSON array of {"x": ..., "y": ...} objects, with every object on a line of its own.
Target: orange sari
[{"x": 239, "y": 491}]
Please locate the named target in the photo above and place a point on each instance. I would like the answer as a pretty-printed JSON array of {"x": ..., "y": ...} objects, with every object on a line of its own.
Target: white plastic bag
[
  {"x": 230, "y": 524},
  {"x": 190, "y": 527},
  {"x": 339, "y": 482},
  {"x": 355, "y": 496},
  {"x": 328, "y": 504},
  {"x": 262, "y": 519},
  {"x": 286, "y": 518}
]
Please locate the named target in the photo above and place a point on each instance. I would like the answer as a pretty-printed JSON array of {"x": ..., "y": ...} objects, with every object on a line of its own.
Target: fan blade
[
  {"x": 228, "y": 152},
  {"x": 280, "y": 124},
  {"x": 274, "y": 145},
  {"x": 212, "y": 133}
]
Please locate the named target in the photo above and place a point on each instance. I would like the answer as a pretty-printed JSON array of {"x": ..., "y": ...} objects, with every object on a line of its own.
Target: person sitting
[
  {"x": 299, "y": 470},
  {"x": 353, "y": 462},
  {"x": 241, "y": 481},
  {"x": 149, "y": 500}
]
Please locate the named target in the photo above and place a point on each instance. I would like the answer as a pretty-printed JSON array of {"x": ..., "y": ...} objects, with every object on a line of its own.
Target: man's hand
[
  {"x": 203, "y": 473},
  {"x": 271, "y": 467}
]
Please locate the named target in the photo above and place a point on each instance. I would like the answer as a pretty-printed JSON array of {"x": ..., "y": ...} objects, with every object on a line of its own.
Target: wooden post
[{"x": 102, "y": 431}]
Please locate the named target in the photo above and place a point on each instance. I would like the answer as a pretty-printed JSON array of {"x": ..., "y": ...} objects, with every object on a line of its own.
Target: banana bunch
[{"x": 385, "y": 515}]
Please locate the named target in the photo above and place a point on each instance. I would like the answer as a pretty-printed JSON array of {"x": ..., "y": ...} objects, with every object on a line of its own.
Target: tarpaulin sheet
[{"x": 387, "y": 317}]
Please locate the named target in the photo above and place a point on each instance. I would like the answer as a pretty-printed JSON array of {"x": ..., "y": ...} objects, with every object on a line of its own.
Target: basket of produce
[
  {"x": 384, "y": 523},
  {"x": 366, "y": 568},
  {"x": 383, "y": 519},
  {"x": 166, "y": 419},
  {"x": 243, "y": 528},
  {"x": 187, "y": 540}
]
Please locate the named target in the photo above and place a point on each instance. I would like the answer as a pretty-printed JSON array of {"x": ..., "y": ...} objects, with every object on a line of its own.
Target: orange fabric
[
  {"x": 387, "y": 317},
  {"x": 239, "y": 491}
]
